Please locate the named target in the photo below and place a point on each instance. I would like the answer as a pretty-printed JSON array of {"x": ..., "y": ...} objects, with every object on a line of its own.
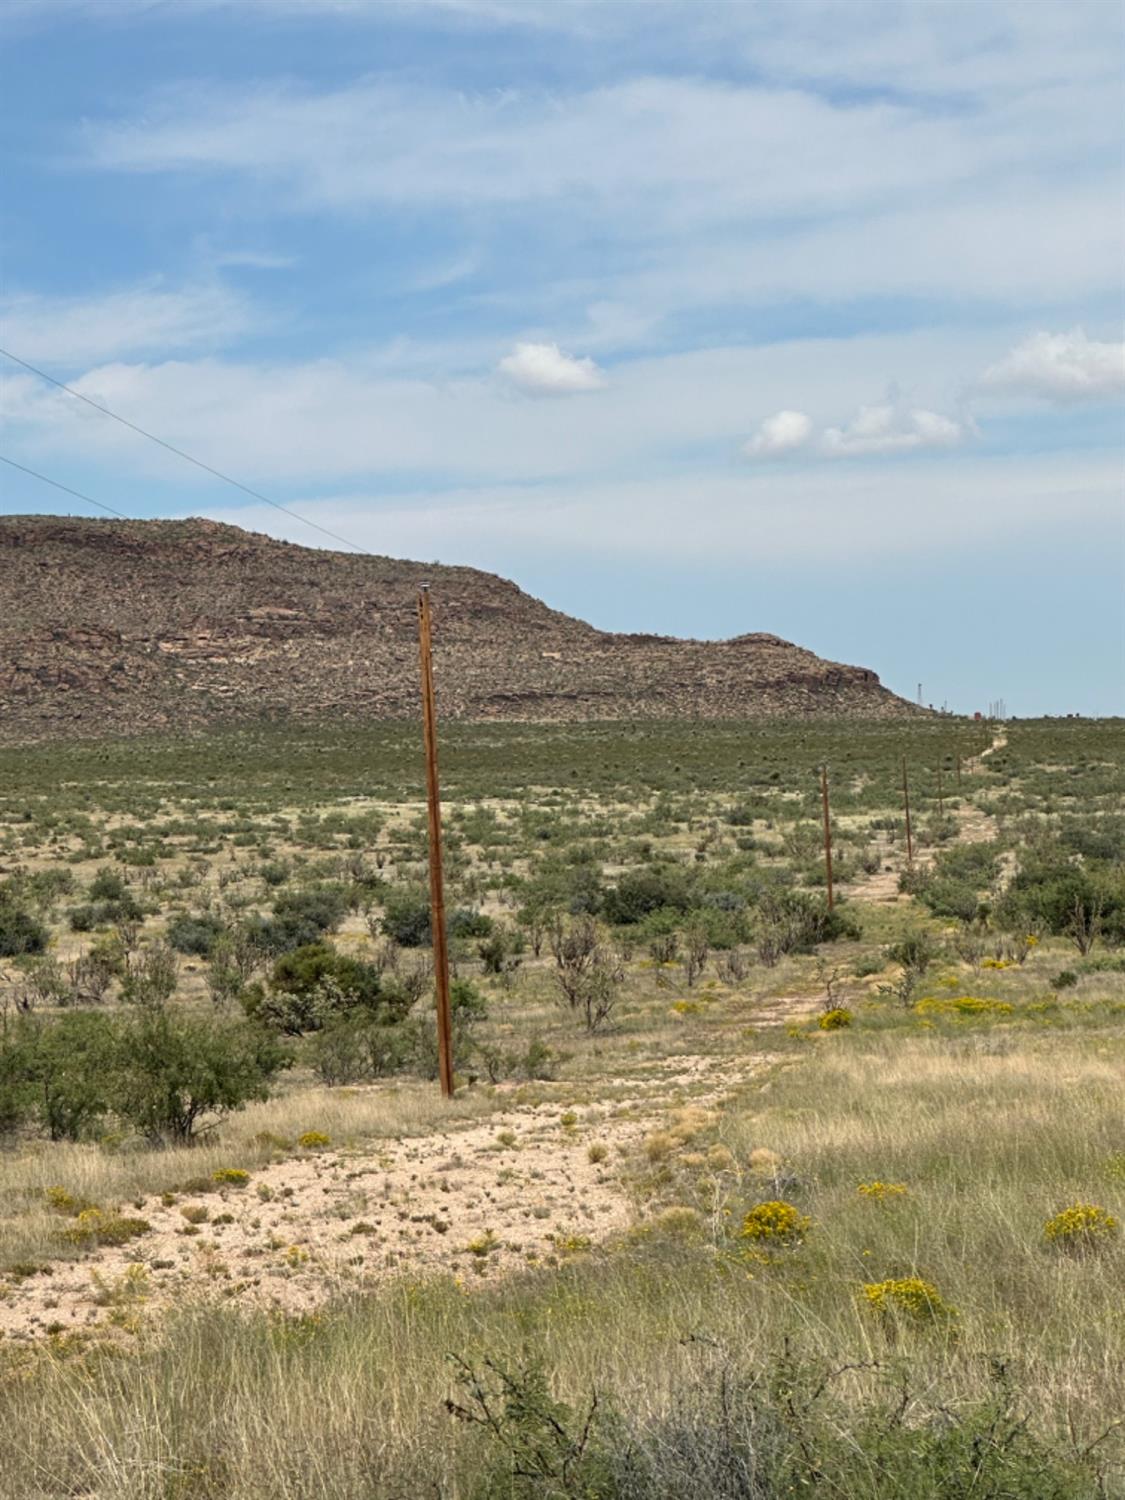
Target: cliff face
[{"x": 117, "y": 627}]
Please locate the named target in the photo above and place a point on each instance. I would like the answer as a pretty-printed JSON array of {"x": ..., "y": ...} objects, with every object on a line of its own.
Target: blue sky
[{"x": 692, "y": 318}]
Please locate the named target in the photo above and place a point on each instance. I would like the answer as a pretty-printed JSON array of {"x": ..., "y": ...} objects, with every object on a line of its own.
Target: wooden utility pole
[
  {"x": 827, "y": 832},
  {"x": 940, "y": 802},
  {"x": 958, "y": 771},
  {"x": 906, "y": 806},
  {"x": 437, "y": 890}
]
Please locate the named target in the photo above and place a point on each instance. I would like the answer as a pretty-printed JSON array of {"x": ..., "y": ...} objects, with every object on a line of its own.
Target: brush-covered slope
[{"x": 111, "y": 627}]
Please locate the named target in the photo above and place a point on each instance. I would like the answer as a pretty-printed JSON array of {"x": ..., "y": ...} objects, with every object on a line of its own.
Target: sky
[{"x": 691, "y": 318}]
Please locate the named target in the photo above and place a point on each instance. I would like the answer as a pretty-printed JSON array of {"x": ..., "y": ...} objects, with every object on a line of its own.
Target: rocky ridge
[{"x": 119, "y": 627}]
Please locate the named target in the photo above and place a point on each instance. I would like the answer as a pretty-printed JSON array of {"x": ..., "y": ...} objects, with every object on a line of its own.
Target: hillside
[{"x": 111, "y": 627}]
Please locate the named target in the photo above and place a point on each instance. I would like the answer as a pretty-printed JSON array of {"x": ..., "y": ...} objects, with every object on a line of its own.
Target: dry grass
[{"x": 347, "y": 1402}]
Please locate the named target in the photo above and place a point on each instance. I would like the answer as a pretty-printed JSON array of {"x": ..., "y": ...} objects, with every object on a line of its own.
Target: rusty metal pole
[
  {"x": 437, "y": 890},
  {"x": 827, "y": 833},
  {"x": 906, "y": 806}
]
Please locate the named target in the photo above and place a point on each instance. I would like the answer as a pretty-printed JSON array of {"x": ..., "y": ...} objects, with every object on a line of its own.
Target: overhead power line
[
  {"x": 179, "y": 452},
  {"x": 78, "y": 495}
]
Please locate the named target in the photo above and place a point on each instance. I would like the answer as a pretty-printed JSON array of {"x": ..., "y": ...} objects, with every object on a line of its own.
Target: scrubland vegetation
[{"x": 740, "y": 1196}]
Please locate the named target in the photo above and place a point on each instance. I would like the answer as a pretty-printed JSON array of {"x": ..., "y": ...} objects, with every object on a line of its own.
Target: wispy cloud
[
  {"x": 1061, "y": 367},
  {"x": 147, "y": 319},
  {"x": 797, "y": 517}
]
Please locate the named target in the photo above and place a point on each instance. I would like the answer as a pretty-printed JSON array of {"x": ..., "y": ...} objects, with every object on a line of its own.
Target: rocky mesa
[{"x": 122, "y": 627}]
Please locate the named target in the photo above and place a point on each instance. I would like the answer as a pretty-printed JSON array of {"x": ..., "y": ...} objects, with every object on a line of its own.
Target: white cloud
[
  {"x": 397, "y": 411},
  {"x": 1061, "y": 367},
  {"x": 148, "y": 319},
  {"x": 887, "y": 428},
  {"x": 782, "y": 433},
  {"x": 892, "y": 429},
  {"x": 544, "y": 370}
]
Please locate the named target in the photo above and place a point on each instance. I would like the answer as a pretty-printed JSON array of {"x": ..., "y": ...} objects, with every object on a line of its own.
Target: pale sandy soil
[{"x": 476, "y": 1202}]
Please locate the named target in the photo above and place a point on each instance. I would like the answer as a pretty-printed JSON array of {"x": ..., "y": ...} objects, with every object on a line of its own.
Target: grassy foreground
[
  {"x": 766, "y": 1362},
  {"x": 871, "y": 1258}
]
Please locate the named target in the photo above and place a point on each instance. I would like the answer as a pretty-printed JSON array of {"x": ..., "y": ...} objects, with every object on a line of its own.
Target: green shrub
[
  {"x": 316, "y": 985},
  {"x": 789, "y": 921},
  {"x": 195, "y": 933},
  {"x": 468, "y": 923},
  {"x": 640, "y": 892},
  {"x": 182, "y": 1069},
  {"x": 108, "y": 884},
  {"x": 20, "y": 932},
  {"x": 71, "y": 1065},
  {"x": 300, "y": 918},
  {"x": 406, "y": 916}
]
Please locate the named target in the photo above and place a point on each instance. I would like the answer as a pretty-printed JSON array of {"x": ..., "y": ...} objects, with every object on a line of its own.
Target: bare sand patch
[{"x": 531, "y": 1184}]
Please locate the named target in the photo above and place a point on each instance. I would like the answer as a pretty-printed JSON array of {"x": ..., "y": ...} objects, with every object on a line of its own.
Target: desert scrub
[
  {"x": 233, "y": 1177},
  {"x": 964, "y": 1005},
  {"x": 1081, "y": 1227},
  {"x": 483, "y": 1245},
  {"x": 572, "y": 1244},
  {"x": 881, "y": 1191},
  {"x": 62, "y": 1202},
  {"x": 908, "y": 1297},
  {"x": 96, "y": 1226},
  {"x": 775, "y": 1225},
  {"x": 835, "y": 1019},
  {"x": 314, "y": 1140}
]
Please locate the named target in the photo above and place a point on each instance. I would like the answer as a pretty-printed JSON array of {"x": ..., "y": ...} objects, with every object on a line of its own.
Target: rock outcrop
[{"x": 119, "y": 627}]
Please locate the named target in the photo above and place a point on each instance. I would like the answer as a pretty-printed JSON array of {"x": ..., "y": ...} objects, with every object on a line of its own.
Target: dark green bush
[
  {"x": 324, "y": 906},
  {"x": 108, "y": 885},
  {"x": 640, "y": 892},
  {"x": 20, "y": 932},
  {"x": 315, "y": 985},
  {"x": 1068, "y": 899},
  {"x": 299, "y": 918},
  {"x": 468, "y": 923},
  {"x": 195, "y": 933},
  {"x": 406, "y": 916}
]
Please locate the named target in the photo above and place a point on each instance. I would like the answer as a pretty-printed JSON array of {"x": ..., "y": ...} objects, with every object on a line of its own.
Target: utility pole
[
  {"x": 906, "y": 806},
  {"x": 958, "y": 771},
  {"x": 437, "y": 891},
  {"x": 827, "y": 832},
  {"x": 940, "y": 803}
]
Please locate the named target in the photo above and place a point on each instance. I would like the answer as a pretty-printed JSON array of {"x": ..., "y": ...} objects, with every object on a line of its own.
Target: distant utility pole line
[
  {"x": 437, "y": 890},
  {"x": 827, "y": 833}
]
